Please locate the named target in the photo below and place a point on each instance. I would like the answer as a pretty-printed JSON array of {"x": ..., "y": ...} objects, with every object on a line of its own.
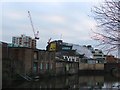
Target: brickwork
[{"x": 21, "y": 59}]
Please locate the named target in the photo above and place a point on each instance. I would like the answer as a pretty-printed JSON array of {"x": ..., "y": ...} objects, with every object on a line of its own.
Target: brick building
[
  {"x": 111, "y": 59},
  {"x": 52, "y": 63},
  {"x": 41, "y": 62},
  {"x": 21, "y": 59},
  {"x": 6, "y": 64},
  {"x": 28, "y": 62}
]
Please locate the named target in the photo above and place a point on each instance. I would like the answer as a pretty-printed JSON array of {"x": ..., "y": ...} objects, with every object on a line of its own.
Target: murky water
[{"x": 74, "y": 81}]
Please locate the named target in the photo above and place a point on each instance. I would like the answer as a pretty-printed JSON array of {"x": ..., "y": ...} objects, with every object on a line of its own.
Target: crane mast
[{"x": 35, "y": 35}]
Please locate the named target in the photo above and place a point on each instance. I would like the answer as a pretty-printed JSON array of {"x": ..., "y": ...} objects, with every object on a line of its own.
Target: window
[
  {"x": 97, "y": 61},
  {"x": 65, "y": 48},
  {"x": 51, "y": 66},
  {"x": 91, "y": 61},
  {"x": 47, "y": 66},
  {"x": 98, "y": 55},
  {"x": 41, "y": 66},
  {"x": 35, "y": 55}
]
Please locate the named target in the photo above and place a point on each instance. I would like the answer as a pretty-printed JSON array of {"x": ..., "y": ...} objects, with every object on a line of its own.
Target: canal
[{"x": 80, "y": 82}]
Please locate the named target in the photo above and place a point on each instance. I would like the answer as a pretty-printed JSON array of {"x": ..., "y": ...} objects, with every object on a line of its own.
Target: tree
[{"x": 107, "y": 16}]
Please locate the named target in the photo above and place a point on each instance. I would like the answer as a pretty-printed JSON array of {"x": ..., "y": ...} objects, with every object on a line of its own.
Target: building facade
[
  {"x": 88, "y": 57},
  {"x": 28, "y": 62},
  {"x": 99, "y": 55},
  {"x": 60, "y": 58},
  {"x": 21, "y": 61},
  {"x": 88, "y": 51},
  {"x": 5, "y": 64},
  {"x": 111, "y": 59},
  {"x": 24, "y": 41},
  {"x": 55, "y": 63},
  {"x": 59, "y": 45}
]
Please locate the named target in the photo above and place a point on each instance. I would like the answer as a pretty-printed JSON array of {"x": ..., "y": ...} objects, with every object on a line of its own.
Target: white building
[
  {"x": 83, "y": 50},
  {"x": 90, "y": 52},
  {"x": 99, "y": 55},
  {"x": 24, "y": 41}
]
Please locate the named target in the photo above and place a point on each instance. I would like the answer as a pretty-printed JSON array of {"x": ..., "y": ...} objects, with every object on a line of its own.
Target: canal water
[{"x": 81, "y": 82}]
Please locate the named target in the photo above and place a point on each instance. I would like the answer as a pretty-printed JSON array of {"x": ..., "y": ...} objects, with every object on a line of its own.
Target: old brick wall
[
  {"x": 46, "y": 62},
  {"x": 21, "y": 59},
  {"x": 28, "y": 60},
  {"x": 111, "y": 59}
]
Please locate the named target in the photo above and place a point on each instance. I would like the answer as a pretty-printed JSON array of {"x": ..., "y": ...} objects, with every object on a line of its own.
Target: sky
[{"x": 69, "y": 20}]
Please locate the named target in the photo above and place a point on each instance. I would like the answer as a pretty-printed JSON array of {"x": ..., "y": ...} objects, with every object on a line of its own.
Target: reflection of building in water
[
  {"x": 71, "y": 82},
  {"x": 91, "y": 82}
]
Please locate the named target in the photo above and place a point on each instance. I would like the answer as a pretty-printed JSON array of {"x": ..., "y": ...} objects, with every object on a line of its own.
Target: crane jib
[{"x": 35, "y": 35}]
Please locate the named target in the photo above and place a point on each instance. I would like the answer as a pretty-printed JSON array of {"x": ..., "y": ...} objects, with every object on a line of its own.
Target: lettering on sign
[{"x": 71, "y": 58}]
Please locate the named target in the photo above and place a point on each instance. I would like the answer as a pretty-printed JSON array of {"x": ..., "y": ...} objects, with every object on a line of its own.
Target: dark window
[
  {"x": 98, "y": 55},
  {"x": 47, "y": 66},
  {"x": 100, "y": 51}
]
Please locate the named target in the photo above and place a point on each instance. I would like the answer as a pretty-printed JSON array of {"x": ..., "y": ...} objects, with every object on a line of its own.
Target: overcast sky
[{"x": 68, "y": 20}]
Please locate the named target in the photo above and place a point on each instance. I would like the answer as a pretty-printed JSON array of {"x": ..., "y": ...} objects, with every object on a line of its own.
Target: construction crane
[
  {"x": 35, "y": 34},
  {"x": 49, "y": 40}
]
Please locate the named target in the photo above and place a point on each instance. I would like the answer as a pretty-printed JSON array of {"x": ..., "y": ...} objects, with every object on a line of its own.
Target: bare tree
[{"x": 107, "y": 16}]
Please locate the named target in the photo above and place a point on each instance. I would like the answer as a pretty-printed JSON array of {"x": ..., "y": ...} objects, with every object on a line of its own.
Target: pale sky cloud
[
  {"x": 12, "y": 15},
  {"x": 54, "y": 18},
  {"x": 52, "y": 1},
  {"x": 51, "y": 19}
]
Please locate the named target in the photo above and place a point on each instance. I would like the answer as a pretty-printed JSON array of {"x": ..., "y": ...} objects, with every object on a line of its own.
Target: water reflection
[
  {"x": 74, "y": 81},
  {"x": 91, "y": 82}
]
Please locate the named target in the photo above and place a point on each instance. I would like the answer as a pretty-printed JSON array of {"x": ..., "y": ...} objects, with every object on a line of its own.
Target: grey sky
[{"x": 71, "y": 19}]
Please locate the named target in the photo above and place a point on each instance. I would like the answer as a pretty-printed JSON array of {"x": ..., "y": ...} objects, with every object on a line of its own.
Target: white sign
[{"x": 71, "y": 58}]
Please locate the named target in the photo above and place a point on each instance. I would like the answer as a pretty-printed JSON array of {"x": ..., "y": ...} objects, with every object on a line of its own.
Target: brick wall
[
  {"x": 111, "y": 59},
  {"x": 21, "y": 59}
]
